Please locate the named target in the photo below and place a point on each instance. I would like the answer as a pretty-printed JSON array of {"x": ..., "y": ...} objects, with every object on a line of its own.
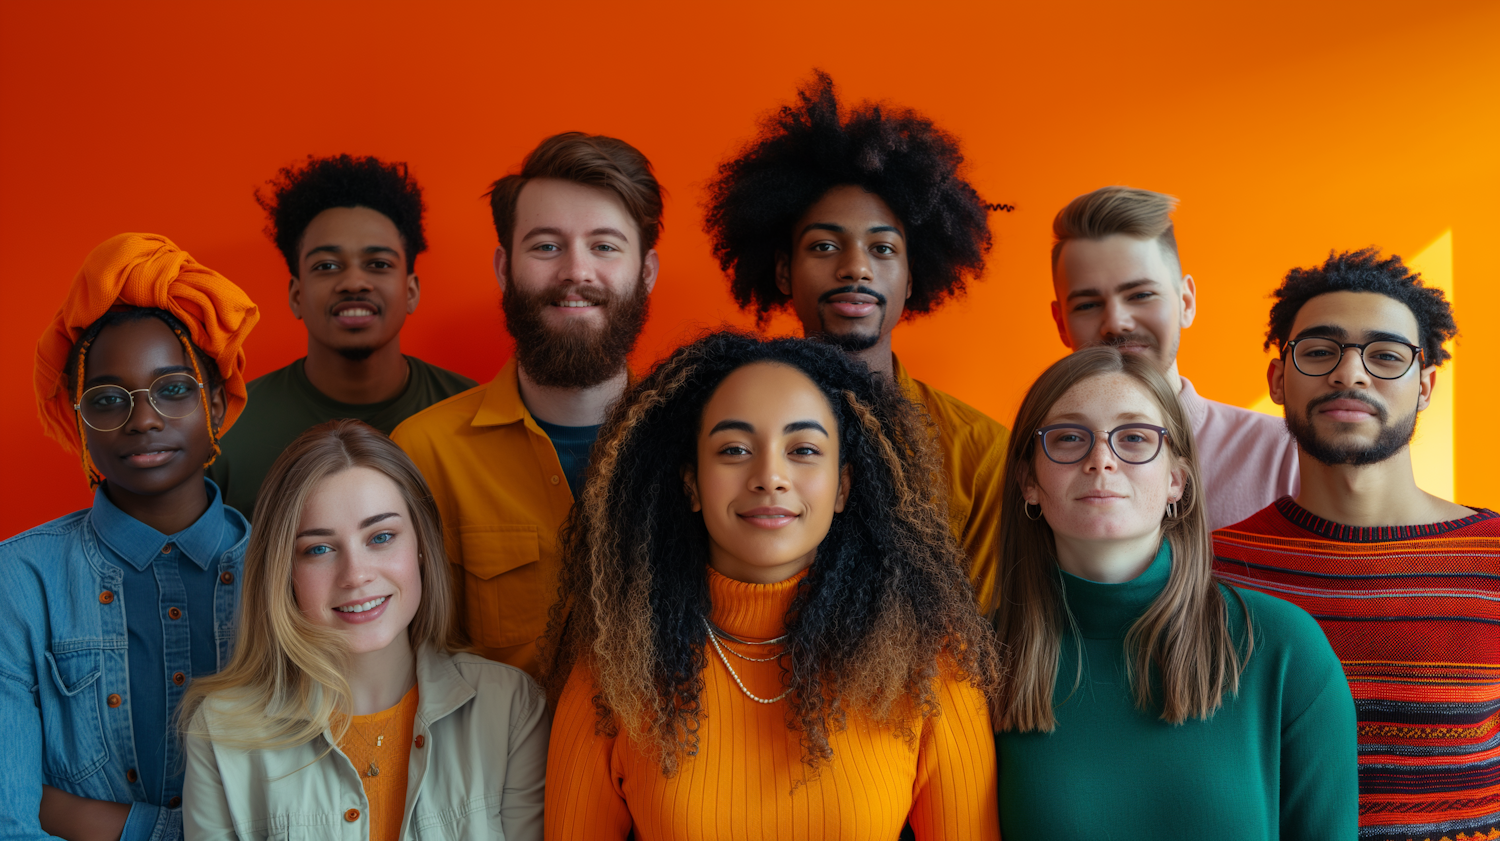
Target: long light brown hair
[
  {"x": 1183, "y": 638},
  {"x": 287, "y": 680}
]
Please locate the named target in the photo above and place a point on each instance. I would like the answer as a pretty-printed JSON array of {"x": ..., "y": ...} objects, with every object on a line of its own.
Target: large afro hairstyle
[
  {"x": 297, "y": 196},
  {"x": 1365, "y": 271},
  {"x": 803, "y": 151}
]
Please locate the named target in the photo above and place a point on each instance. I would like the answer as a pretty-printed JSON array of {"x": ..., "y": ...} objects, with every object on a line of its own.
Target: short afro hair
[
  {"x": 299, "y": 195},
  {"x": 805, "y": 150},
  {"x": 1365, "y": 271}
]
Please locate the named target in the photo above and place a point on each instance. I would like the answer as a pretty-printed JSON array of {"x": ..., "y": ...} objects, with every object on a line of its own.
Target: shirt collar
[
  {"x": 139, "y": 545},
  {"x": 1197, "y": 410},
  {"x": 502, "y": 399}
]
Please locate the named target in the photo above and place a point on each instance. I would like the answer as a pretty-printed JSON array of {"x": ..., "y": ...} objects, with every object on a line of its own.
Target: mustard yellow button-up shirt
[
  {"x": 973, "y": 446},
  {"x": 501, "y": 492}
]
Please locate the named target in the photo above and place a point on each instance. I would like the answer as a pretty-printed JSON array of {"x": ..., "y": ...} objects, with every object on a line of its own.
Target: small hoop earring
[
  {"x": 1172, "y": 510},
  {"x": 1026, "y": 509}
]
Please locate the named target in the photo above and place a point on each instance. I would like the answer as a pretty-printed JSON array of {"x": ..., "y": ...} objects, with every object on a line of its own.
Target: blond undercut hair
[{"x": 1107, "y": 211}]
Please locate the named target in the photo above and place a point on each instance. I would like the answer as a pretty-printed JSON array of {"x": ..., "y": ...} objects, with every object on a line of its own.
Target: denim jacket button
[
  {"x": 106, "y": 597},
  {"x": 130, "y": 776},
  {"x": 113, "y": 700},
  {"x": 174, "y": 613},
  {"x": 179, "y": 678},
  {"x": 174, "y": 803},
  {"x": 226, "y": 578}
]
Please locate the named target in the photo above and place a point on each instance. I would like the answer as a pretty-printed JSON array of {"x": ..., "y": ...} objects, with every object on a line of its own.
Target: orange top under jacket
[
  {"x": 381, "y": 742},
  {"x": 740, "y": 785}
]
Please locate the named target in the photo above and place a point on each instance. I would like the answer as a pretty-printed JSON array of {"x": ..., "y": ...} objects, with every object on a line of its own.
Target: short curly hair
[
  {"x": 805, "y": 150},
  {"x": 299, "y": 195},
  {"x": 1365, "y": 271}
]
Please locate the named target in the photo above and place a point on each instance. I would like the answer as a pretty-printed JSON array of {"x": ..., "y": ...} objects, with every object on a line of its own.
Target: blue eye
[
  {"x": 547, "y": 246},
  {"x": 383, "y": 537},
  {"x": 320, "y": 549}
]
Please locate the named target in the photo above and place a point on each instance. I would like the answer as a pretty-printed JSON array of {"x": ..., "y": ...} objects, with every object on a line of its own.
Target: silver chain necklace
[{"x": 713, "y": 637}]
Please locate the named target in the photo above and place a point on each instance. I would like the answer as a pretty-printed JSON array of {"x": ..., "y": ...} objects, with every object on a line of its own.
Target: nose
[
  {"x": 577, "y": 266},
  {"x": 769, "y": 474},
  {"x": 354, "y": 280},
  {"x": 357, "y": 569},
  {"x": 1117, "y": 321},
  {"x": 1350, "y": 371},
  {"x": 854, "y": 266},
  {"x": 143, "y": 415},
  {"x": 1101, "y": 459}
]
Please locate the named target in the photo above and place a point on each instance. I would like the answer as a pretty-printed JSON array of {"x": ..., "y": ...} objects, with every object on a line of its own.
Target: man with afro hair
[
  {"x": 853, "y": 222},
  {"x": 1405, "y": 584},
  {"x": 350, "y": 230}
]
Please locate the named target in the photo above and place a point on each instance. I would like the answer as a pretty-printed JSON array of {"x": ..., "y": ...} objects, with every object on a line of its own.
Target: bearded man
[
  {"x": 1405, "y": 584},
  {"x": 576, "y": 264}
]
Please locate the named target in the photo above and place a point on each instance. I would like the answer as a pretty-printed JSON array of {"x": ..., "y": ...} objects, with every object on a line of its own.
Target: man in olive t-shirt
[{"x": 350, "y": 230}]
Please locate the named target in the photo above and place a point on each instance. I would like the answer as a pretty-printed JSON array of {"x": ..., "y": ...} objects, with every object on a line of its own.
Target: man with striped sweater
[{"x": 1405, "y": 584}]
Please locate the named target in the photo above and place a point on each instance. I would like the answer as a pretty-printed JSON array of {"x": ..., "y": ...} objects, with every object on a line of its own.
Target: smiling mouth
[
  {"x": 574, "y": 304},
  {"x": 149, "y": 458},
  {"x": 363, "y": 606}
]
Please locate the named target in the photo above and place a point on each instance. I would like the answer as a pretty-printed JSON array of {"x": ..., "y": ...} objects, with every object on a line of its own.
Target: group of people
[{"x": 772, "y": 588}]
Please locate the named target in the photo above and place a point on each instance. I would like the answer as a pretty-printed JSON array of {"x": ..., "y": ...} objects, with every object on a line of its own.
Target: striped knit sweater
[{"x": 1413, "y": 612}]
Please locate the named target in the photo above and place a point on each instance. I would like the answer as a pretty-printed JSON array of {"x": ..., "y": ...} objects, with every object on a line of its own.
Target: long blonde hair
[
  {"x": 286, "y": 681},
  {"x": 1183, "y": 637}
]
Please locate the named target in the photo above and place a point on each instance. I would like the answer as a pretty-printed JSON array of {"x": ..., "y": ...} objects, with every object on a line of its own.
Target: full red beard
[{"x": 577, "y": 358}]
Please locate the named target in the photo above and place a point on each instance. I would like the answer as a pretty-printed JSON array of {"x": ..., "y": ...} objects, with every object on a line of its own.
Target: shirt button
[
  {"x": 421, "y": 740},
  {"x": 179, "y": 678},
  {"x": 226, "y": 578},
  {"x": 106, "y": 597},
  {"x": 130, "y": 776},
  {"x": 166, "y": 550},
  {"x": 174, "y": 613},
  {"x": 113, "y": 700},
  {"x": 555, "y": 480},
  {"x": 174, "y": 803},
  {"x": 352, "y": 815}
]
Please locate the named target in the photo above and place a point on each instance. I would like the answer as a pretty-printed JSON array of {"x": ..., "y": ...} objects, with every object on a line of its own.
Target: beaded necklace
[{"x": 713, "y": 637}]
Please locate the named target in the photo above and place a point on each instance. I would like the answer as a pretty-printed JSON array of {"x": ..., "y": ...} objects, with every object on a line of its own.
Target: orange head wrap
[{"x": 143, "y": 270}]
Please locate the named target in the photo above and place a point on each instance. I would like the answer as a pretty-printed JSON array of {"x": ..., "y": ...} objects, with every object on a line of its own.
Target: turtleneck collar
[
  {"x": 751, "y": 612},
  {"x": 1106, "y": 611}
]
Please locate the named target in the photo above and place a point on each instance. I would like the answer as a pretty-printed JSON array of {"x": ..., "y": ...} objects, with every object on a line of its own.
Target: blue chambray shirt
[{"x": 90, "y": 652}]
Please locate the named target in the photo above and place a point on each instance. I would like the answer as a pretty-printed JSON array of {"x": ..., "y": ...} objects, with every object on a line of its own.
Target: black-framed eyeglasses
[
  {"x": 1316, "y": 356},
  {"x": 1132, "y": 443},
  {"x": 106, "y": 408}
]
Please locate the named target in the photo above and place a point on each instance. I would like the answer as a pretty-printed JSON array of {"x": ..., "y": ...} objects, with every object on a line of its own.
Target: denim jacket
[{"x": 64, "y": 674}]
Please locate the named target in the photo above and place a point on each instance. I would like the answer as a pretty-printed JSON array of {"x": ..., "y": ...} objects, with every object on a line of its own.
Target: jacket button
[
  {"x": 166, "y": 550},
  {"x": 226, "y": 578},
  {"x": 555, "y": 480},
  {"x": 106, "y": 597},
  {"x": 174, "y": 613},
  {"x": 352, "y": 815},
  {"x": 421, "y": 740},
  {"x": 113, "y": 700},
  {"x": 174, "y": 803},
  {"x": 179, "y": 678},
  {"x": 130, "y": 776}
]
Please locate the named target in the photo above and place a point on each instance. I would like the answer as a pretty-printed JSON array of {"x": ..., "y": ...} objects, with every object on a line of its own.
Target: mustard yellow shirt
[
  {"x": 973, "y": 446},
  {"x": 500, "y": 490}
]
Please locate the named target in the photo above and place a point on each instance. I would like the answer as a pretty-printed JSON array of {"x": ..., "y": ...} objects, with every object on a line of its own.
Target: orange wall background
[{"x": 1287, "y": 128}]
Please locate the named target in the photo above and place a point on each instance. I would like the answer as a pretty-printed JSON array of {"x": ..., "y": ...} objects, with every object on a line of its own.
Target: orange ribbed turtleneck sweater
[{"x": 740, "y": 785}]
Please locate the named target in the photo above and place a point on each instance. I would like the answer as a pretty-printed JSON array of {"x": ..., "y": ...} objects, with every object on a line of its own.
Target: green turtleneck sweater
[{"x": 1278, "y": 760}]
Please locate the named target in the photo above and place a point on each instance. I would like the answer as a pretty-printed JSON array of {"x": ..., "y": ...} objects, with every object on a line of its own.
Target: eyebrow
[
  {"x": 1078, "y": 417},
  {"x": 110, "y": 379},
  {"x": 338, "y": 249},
  {"x": 1333, "y": 331},
  {"x": 743, "y": 426},
  {"x": 1124, "y": 287},
  {"x": 364, "y": 524},
  {"x": 558, "y": 232},
  {"x": 839, "y": 229}
]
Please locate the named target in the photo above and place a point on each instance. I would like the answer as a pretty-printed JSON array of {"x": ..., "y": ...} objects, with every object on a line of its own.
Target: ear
[
  {"x": 294, "y": 296},
  {"x": 784, "y": 273},
  {"x": 1178, "y": 485},
  {"x": 1062, "y": 325},
  {"x": 217, "y": 406},
  {"x": 843, "y": 497},
  {"x": 690, "y": 487},
  {"x": 1031, "y": 492},
  {"x": 649, "y": 269},
  {"x": 500, "y": 265},
  {"x": 1426, "y": 382},
  {"x": 413, "y": 293},
  {"x": 1188, "y": 290},
  {"x": 1276, "y": 380}
]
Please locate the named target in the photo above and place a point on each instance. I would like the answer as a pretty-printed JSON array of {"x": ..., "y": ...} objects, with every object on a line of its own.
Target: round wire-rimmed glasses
[
  {"x": 106, "y": 408},
  {"x": 1132, "y": 443},
  {"x": 1316, "y": 356}
]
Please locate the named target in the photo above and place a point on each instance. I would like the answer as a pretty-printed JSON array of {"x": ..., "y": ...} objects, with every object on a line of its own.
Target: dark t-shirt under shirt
[
  {"x": 572, "y": 444},
  {"x": 284, "y": 403}
]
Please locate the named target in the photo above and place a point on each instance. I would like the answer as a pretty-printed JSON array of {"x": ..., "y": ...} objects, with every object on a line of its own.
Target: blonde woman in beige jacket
[{"x": 347, "y": 710}]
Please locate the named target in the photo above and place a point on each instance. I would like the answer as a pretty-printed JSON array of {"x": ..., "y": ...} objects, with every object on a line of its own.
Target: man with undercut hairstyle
[
  {"x": 854, "y": 223},
  {"x": 576, "y": 261},
  {"x": 1119, "y": 281},
  {"x": 1405, "y": 584},
  {"x": 350, "y": 230}
]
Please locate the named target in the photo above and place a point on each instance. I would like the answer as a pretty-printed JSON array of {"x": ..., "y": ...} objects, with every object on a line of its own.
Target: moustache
[
  {"x": 857, "y": 290},
  {"x": 1123, "y": 339},
  {"x": 355, "y": 299},
  {"x": 1380, "y": 412}
]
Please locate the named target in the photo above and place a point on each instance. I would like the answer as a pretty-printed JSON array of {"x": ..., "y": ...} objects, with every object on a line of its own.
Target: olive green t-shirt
[{"x": 284, "y": 403}]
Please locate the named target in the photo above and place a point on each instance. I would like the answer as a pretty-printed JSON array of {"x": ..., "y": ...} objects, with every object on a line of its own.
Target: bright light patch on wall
[{"x": 1432, "y": 449}]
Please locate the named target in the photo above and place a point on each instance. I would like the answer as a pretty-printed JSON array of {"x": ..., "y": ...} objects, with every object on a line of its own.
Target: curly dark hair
[
  {"x": 884, "y": 612},
  {"x": 299, "y": 195},
  {"x": 1365, "y": 271},
  {"x": 804, "y": 151}
]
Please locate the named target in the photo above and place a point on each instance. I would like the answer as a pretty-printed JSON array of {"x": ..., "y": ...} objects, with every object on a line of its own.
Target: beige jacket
[{"x": 479, "y": 772}]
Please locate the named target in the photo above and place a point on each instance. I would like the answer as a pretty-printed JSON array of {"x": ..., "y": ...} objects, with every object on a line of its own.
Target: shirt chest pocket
[
  {"x": 72, "y": 724},
  {"x": 504, "y": 600}
]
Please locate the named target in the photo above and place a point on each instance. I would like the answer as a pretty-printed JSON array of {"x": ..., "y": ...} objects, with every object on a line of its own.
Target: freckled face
[
  {"x": 356, "y": 568},
  {"x": 767, "y": 480}
]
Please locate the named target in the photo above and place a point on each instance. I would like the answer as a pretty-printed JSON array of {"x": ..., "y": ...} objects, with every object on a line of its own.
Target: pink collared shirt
[{"x": 1248, "y": 459}]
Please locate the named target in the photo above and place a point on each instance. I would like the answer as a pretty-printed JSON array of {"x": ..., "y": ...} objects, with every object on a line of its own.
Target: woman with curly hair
[
  {"x": 764, "y": 629},
  {"x": 855, "y": 221},
  {"x": 1144, "y": 698}
]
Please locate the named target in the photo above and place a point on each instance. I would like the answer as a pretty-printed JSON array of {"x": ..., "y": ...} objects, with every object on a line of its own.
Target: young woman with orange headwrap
[{"x": 108, "y": 613}]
